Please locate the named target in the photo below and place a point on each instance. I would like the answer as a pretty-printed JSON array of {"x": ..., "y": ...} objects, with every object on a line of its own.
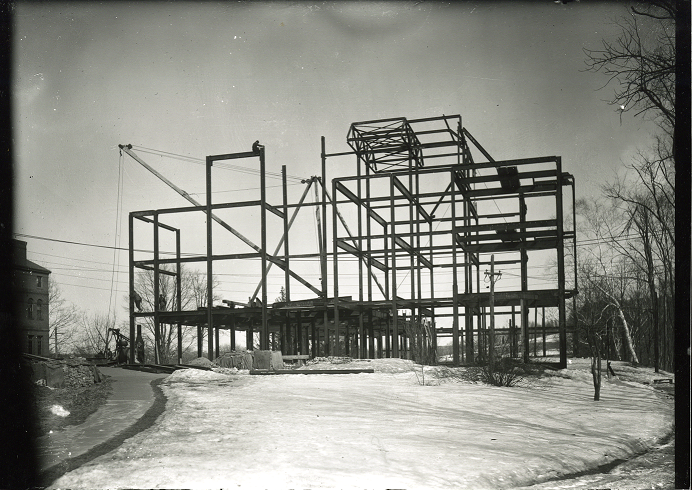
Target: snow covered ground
[{"x": 381, "y": 430}]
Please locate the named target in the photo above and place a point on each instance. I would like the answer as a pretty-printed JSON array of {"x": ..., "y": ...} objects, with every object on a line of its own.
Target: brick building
[{"x": 31, "y": 289}]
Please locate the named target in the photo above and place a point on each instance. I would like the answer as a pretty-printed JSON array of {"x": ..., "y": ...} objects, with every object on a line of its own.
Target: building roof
[{"x": 22, "y": 263}]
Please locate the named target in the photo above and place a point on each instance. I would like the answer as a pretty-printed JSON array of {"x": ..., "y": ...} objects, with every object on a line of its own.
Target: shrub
[{"x": 503, "y": 372}]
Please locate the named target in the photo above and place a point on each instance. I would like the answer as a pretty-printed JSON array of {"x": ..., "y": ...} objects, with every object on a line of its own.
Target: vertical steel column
[
  {"x": 562, "y": 326},
  {"x": 419, "y": 270},
  {"x": 371, "y": 336},
  {"x": 467, "y": 268},
  {"x": 395, "y": 314},
  {"x": 157, "y": 333},
  {"x": 478, "y": 281},
  {"x": 432, "y": 287},
  {"x": 361, "y": 330},
  {"x": 287, "y": 287},
  {"x": 524, "y": 310},
  {"x": 210, "y": 293},
  {"x": 264, "y": 333},
  {"x": 335, "y": 251},
  {"x": 287, "y": 280},
  {"x": 178, "y": 293},
  {"x": 131, "y": 269},
  {"x": 491, "y": 347},
  {"x": 368, "y": 230},
  {"x": 323, "y": 241},
  {"x": 413, "y": 258},
  {"x": 455, "y": 279}
]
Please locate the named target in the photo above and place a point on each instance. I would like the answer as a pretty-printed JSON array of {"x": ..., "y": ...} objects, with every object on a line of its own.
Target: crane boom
[{"x": 128, "y": 149}]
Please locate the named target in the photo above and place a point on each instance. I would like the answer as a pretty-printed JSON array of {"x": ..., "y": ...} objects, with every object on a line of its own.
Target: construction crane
[
  {"x": 119, "y": 354},
  {"x": 274, "y": 260}
]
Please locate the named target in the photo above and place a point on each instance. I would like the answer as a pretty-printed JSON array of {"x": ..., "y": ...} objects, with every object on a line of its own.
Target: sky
[{"x": 198, "y": 79}]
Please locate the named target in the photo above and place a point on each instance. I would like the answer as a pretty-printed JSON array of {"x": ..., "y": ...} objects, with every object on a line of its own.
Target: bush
[{"x": 504, "y": 372}]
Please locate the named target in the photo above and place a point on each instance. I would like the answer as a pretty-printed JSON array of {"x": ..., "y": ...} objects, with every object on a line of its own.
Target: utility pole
[{"x": 491, "y": 276}]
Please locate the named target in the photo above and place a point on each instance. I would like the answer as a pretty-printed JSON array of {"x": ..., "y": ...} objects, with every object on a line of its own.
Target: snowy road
[{"x": 379, "y": 430}]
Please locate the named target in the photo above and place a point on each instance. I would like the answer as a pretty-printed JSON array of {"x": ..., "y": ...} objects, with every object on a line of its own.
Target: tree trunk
[
  {"x": 627, "y": 335},
  {"x": 625, "y": 327},
  {"x": 595, "y": 344},
  {"x": 596, "y": 375}
]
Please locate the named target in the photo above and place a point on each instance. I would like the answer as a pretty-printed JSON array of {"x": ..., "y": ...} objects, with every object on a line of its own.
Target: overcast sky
[{"x": 199, "y": 79}]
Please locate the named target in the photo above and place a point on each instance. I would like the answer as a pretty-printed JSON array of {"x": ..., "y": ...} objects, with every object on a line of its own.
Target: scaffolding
[{"x": 418, "y": 208}]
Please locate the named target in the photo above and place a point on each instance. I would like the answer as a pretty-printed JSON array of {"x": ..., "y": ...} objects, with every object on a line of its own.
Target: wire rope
[
  {"x": 116, "y": 243},
  {"x": 220, "y": 164}
]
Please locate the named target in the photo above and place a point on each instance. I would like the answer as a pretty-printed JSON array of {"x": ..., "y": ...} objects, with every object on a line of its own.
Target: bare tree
[
  {"x": 193, "y": 296},
  {"x": 641, "y": 62},
  {"x": 641, "y": 65},
  {"x": 602, "y": 267},
  {"x": 92, "y": 333},
  {"x": 63, "y": 318}
]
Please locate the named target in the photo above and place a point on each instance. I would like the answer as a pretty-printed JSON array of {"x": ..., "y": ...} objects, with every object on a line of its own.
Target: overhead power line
[{"x": 94, "y": 245}]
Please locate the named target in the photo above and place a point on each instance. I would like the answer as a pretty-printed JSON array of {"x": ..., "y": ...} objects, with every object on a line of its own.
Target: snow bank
[
  {"x": 195, "y": 375},
  {"x": 378, "y": 430}
]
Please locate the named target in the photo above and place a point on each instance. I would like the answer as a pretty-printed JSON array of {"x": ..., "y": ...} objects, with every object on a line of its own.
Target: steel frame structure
[{"x": 407, "y": 171}]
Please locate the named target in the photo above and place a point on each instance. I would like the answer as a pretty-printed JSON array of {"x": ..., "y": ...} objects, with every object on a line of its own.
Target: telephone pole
[{"x": 493, "y": 277}]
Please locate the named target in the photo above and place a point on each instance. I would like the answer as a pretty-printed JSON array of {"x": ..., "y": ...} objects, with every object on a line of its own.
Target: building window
[
  {"x": 30, "y": 345},
  {"x": 39, "y": 281},
  {"x": 39, "y": 310},
  {"x": 39, "y": 345},
  {"x": 30, "y": 309}
]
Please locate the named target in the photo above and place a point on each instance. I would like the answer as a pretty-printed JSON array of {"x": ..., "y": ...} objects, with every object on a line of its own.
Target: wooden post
[
  {"x": 535, "y": 333},
  {"x": 543, "y": 326},
  {"x": 515, "y": 338},
  {"x": 314, "y": 338},
  {"x": 232, "y": 332},
  {"x": 371, "y": 336},
  {"x": 249, "y": 333}
]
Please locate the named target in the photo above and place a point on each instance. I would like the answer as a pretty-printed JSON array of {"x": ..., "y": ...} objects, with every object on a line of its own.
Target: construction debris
[
  {"x": 238, "y": 360},
  {"x": 73, "y": 372}
]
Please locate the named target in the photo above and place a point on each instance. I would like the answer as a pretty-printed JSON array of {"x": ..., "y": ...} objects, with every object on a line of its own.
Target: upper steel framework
[{"x": 420, "y": 208}]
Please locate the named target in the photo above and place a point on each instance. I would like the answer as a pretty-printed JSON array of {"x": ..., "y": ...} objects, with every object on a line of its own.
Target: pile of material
[
  {"x": 74, "y": 372},
  {"x": 238, "y": 360},
  {"x": 247, "y": 360},
  {"x": 330, "y": 360},
  {"x": 203, "y": 362}
]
